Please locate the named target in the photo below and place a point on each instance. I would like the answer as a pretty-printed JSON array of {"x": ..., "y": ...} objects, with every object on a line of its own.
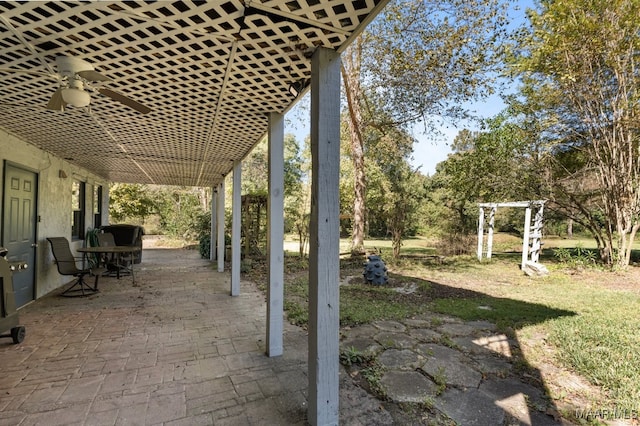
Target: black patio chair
[{"x": 67, "y": 266}]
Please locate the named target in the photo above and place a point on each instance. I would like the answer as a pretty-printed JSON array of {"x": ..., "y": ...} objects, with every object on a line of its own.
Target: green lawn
[
  {"x": 592, "y": 323},
  {"x": 599, "y": 340}
]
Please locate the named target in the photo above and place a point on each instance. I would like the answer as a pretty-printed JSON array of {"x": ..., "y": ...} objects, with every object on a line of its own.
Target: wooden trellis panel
[{"x": 210, "y": 71}]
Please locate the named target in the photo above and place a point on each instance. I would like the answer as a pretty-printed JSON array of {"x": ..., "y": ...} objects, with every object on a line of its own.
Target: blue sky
[{"x": 428, "y": 151}]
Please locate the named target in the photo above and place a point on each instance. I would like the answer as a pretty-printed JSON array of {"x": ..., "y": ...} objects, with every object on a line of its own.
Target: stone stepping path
[{"x": 462, "y": 369}]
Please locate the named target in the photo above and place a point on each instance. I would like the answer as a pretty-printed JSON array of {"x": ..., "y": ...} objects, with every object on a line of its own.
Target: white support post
[
  {"x": 536, "y": 244},
  {"x": 324, "y": 253},
  {"x": 236, "y": 206},
  {"x": 492, "y": 218},
  {"x": 104, "y": 205},
  {"x": 525, "y": 238},
  {"x": 220, "y": 221},
  {"x": 275, "y": 236},
  {"x": 214, "y": 228},
  {"x": 480, "y": 232}
]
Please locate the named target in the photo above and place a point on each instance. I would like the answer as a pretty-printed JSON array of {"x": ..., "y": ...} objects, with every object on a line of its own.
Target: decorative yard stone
[
  {"x": 521, "y": 400},
  {"x": 375, "y": 271},
  {"x": 534, "y": 269}
]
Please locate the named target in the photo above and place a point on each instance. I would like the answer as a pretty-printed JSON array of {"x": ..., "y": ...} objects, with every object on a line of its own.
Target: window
[
  {"x": 97, "y": 206},
  {"x": 78, "y": 209}
]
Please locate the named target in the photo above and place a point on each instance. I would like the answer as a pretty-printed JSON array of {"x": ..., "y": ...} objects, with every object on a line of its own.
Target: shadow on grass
[
  {"x": 531, "y": 401},
  {"x": 507, "y": 314},
  {"x": 407, "y": 297}
]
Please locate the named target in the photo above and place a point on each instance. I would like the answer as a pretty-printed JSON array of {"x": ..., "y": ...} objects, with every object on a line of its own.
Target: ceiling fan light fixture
[{"x": 76, "y": 97}]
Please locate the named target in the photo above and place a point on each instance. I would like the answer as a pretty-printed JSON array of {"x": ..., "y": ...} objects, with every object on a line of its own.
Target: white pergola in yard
[
  {"x": 215, "y": 76},
  {"x": 532, "y": 235}
]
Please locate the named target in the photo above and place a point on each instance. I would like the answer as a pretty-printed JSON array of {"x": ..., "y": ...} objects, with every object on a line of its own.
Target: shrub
[
  {"x": 455, "y": 244},
  {"x": 205, "y": 246}
]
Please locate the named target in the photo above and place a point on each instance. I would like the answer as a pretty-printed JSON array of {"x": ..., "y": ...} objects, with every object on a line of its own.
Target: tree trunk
[
  {"x": 204, "y": 196},
  {"x": 632, "y": 237},
  {"x": 351, "y": 78}
]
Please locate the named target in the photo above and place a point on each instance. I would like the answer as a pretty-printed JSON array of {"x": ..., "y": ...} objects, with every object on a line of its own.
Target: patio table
[{"x": 117, "y": 250}]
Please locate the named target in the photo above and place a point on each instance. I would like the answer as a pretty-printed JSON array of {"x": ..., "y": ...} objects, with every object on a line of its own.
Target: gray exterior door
[{"x": 19, "y": 228}]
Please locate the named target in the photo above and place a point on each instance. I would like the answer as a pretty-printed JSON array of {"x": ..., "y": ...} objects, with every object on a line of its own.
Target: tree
[
  {"x": 351, "y": 65},
  {"x": 583, "y": 55},
  {"x": 182, "y": 211},
  {"x": 397, "y": 188},
  {"x": 255, "y": 175},
  {"x": 499, "y": 163},
  {"x": 255, "y": 170},
  {"x": 130, "y": 201},
  {"x": 417, "y": 62},
  {"x": 297, "y": 190},
  {"x": 407, "y": 193}
]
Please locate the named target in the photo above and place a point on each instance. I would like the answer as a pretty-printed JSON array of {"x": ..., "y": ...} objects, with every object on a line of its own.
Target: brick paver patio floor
[{"x": 173, "y": 349}]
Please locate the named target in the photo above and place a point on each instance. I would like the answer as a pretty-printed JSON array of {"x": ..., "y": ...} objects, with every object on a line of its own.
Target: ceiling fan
[{"x": 76, "y": 77}]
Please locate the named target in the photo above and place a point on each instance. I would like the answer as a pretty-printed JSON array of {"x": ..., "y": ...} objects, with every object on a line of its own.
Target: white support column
[
  {"x": 214, "y": 228},
  {"x": 220, "y": 222},
  {"x": 275, "y": 236},
  {"x": 536, "y": 243},
  {"x": 236, "y": 205},
  {"x": 525, "y": 237},
  {"x": 104, "y": 205},
  {"x": 492, "y": 219},
  {"x": 480, "y": 232},
  {"x": 324, "y": 253}
]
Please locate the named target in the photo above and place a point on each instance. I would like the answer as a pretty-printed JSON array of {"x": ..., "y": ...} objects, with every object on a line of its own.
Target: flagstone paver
[
  {"x": 462, "y": 370},
  {"x": 408, "y": 386}
]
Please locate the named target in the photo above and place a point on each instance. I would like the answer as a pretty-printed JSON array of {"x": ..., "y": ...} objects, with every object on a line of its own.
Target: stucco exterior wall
[{"x": 54, "y": 211}]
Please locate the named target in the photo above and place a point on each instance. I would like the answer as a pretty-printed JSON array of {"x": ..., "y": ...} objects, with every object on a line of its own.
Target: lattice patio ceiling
[{"x": 208, "y": 71}]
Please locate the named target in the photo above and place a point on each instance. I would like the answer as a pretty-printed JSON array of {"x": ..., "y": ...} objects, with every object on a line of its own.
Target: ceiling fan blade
[
  {"x": 93, "y": 76},
  {"x": 125, "y": 100},
  {"x": 56, "y": 103}
]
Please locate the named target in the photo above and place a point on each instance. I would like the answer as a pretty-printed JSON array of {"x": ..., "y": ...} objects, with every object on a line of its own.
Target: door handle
[{"x": 34, "y": 245}]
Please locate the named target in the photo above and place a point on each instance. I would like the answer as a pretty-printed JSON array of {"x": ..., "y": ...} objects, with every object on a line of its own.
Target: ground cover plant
[{"x": 579, "y": 318}]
